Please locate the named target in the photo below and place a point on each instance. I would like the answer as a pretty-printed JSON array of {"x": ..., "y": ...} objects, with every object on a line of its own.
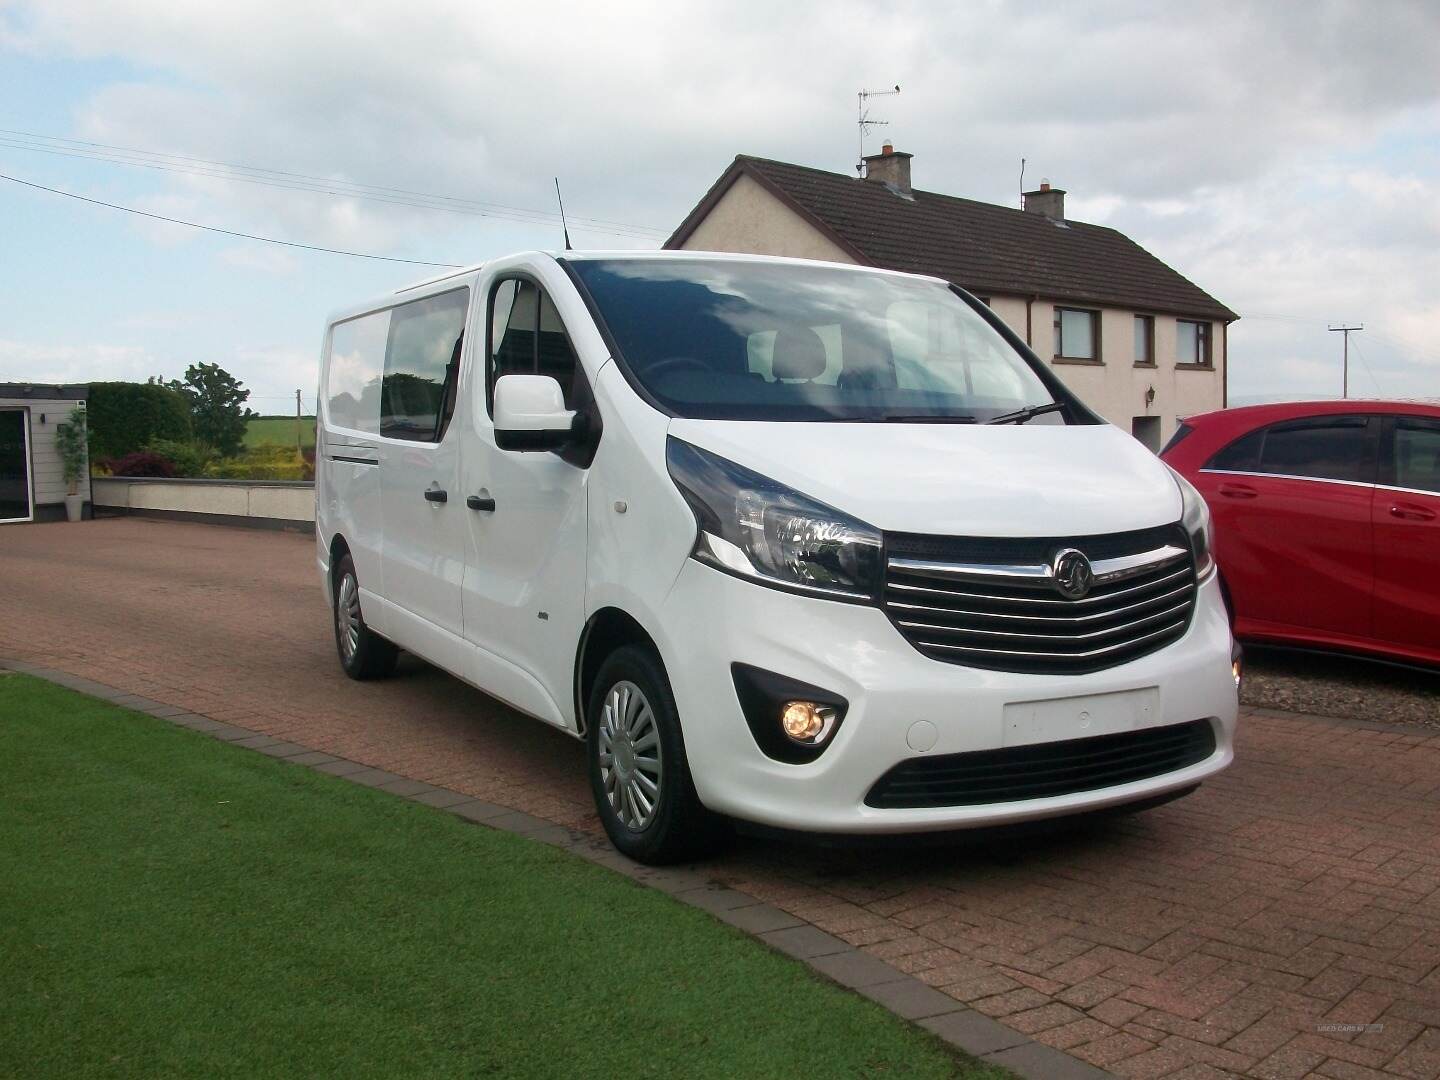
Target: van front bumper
[{"x": 712, "y": 620}]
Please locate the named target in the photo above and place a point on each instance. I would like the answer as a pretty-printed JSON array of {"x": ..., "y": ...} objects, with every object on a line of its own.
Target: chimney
[
  {"x": 1047, "y": 202},
  {"x": 888, "y": 167}
]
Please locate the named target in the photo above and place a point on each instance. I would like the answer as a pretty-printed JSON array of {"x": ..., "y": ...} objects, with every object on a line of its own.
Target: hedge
[{"x": 125, "y": 417}]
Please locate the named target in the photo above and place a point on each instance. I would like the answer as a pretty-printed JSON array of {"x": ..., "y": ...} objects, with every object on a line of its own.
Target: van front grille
[
  {"x": 998, "y": 604},
  {"x": 1043, "y": 771}
]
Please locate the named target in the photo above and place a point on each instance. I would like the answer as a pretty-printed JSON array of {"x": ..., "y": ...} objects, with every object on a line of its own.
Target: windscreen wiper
[
  {"x": 1019, "y": 416},
  {"x": 899, "y": 418},
  {"x": 927, "y": 418}
]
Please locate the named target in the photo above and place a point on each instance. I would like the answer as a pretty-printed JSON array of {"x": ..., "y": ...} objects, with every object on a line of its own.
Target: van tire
[
  {"x": 363, "y": 653},
  {"x": 680, "y": 828}
]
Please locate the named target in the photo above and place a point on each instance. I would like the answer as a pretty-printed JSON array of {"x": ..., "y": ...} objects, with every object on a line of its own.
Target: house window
[
  {"x": 1077, "y": 334},
  {"x": 1144, "y": 341},
  {"x": 1192, "y": 343}
]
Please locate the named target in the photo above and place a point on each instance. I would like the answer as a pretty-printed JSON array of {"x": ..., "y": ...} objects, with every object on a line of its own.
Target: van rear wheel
[
  {"x": 639, "y": 773},
  {"x": 364, "y": 654}
]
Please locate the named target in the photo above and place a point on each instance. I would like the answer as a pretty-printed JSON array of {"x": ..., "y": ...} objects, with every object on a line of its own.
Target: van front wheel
[
  {"x": 638, "y": 770},
  {"x": 364, "y": 654}
]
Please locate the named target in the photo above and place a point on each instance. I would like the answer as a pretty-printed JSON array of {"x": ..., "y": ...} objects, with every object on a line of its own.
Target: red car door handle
[
  {"x": 1411, "y": 512},
  {"x": 1237, "y": 491}
]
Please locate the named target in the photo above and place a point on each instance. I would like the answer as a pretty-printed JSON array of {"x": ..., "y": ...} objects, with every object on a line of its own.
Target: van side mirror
[{"x": 530, "y": 414}]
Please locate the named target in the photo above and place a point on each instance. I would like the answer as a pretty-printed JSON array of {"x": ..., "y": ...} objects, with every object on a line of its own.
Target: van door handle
[
  {"x": 1411, "y": 512},
  {"x": 435, "y": 495},
  {"x": 475, "y": 502},
  {"x": 1237, "y": 491}
]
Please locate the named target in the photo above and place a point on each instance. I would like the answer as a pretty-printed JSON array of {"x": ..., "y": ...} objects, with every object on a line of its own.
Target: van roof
[{"x": 351, "y": 310}]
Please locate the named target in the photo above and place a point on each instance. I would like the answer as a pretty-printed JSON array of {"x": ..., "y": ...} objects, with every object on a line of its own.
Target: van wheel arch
[
  {"x": 1226, "y": 598},
  {"x": 338, "y": 550},
  {"x": 608, "y": 629}
]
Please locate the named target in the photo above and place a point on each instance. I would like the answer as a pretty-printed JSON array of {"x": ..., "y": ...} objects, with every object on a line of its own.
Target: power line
[
  {"x": 278, "y": 178},
  {"x": 1365, "y": 361},
  {"x": 228, "y": 232}
]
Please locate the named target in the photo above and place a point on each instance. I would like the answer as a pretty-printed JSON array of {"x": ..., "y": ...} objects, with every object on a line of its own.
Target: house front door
[{"x": 15, "y": 501}]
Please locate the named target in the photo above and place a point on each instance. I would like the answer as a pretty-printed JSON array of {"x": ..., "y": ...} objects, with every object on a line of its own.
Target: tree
[
  {"x": 125, "y": 417},
  {"x": 217, "y": 412}
]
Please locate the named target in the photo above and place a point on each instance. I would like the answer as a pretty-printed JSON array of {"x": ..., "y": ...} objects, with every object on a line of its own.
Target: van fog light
[{"x": 807, "y": 722}]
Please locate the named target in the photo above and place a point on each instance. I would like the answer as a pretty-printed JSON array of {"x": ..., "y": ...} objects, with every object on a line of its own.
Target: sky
[{"x": 1284, "y": 157}]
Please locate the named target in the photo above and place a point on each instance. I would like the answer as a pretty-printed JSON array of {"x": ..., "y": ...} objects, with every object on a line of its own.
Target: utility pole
[
  {"x": 299, "y": 426},
  {"x": 1345, "y": 370}
]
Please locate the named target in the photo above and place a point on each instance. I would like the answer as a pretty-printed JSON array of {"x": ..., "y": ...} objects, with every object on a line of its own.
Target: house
[
  {"x": 32, "y": 481},
  {"x": 1140, "y": 344}
]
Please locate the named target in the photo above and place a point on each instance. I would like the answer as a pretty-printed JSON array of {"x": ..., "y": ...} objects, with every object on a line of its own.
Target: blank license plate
[{"x": 1028, "y": 722}]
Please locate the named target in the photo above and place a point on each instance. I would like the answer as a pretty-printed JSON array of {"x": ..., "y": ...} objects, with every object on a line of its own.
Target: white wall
[
  {"x": 274, "y": 500},
  {"x": 749, "y": 220},
  {"x": 48, "y": 473}
]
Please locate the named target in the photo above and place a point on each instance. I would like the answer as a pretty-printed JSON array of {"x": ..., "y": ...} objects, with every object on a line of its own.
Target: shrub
[
  {"x": 125, "y": 416},
  {"x": 264, "y": 463},
  {"x": 142, "y": 463},
  {"x": 71, "y": 441},
  {"x": 190, "y": 457}
]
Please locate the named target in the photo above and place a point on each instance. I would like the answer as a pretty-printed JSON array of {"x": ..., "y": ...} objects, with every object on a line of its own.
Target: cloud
[
  {"x": 28, "y": 362},
  {"x": 259, "y": 257},
  {"x": 1284, "y": 161}
]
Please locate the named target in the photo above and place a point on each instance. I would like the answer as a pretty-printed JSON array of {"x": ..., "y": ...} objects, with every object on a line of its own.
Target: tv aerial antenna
[{"x": 863, "y": 120}]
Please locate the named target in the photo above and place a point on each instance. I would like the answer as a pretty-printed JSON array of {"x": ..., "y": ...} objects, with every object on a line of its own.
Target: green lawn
[
  {"x": 278, "y": 431},
  {"x": 174, "y": 906}
]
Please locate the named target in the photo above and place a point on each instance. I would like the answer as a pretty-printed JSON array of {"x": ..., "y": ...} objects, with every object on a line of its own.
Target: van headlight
[
  {"x": 754, "y": 527},
  {"x": 1195, "y": 517}
]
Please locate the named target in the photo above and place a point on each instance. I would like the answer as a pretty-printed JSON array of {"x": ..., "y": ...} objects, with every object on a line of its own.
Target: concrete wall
[
  {"x": 749, "y": 220},
  {"x": 49, "y": 475},
  {"x": 269, "y": 502},
  {"x": 1116, "y": 387}
]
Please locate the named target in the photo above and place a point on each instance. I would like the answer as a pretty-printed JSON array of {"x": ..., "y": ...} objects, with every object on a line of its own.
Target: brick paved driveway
[{"x": 1282, "y": 922}]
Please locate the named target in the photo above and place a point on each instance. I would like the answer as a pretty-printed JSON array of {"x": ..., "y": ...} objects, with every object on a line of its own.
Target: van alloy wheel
[
  {"x": 631, "y": 760},
  {"x": 347, "y": 617}
]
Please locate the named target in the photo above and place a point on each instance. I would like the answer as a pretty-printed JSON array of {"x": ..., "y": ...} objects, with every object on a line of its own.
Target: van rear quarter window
[
  {"x": 353, "y": 372},
  {"x": 391, "y": 372}
]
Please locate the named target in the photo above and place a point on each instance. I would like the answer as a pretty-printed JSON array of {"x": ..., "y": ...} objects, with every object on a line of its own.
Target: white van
[{"x": 742, "y": 525}]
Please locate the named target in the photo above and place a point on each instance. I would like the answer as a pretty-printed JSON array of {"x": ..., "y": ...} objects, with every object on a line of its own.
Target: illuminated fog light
[
  {"x": 1237, "y": 662},
  {"x": 805, "y": 721},
  {"x": 1235, "y": 670}
]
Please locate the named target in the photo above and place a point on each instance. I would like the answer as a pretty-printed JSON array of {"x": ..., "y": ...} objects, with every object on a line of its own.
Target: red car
[{"x": 1327, "y": 521}]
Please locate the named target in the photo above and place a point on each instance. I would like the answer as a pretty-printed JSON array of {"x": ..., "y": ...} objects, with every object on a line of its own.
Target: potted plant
[{"x": 72, "y": 441}]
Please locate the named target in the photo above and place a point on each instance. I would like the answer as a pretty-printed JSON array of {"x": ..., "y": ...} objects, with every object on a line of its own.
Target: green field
[
  {"x": 279, "y": 431},
  {"x": 176, "y": 906}
]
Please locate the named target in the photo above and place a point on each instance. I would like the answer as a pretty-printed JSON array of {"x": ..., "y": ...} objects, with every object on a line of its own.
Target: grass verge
[{"x": 172, "y": 905}]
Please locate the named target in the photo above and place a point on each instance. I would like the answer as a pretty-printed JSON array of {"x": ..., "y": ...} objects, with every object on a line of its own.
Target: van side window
[
  {"x": 422, "y": 364},
  {"x": 527, "y": 336},
  {"x": 353, "y": 371}
]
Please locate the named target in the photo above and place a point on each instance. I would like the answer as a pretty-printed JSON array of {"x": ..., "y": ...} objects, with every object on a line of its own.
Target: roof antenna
[
  {"x": 563, "y": 227},
  {"x": 1022, "y": 182},
  {"x": 864, "y": 121}
]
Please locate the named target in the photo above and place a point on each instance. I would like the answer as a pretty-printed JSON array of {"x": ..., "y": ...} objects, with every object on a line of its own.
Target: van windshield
[{"x": 722, "y": 340}]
